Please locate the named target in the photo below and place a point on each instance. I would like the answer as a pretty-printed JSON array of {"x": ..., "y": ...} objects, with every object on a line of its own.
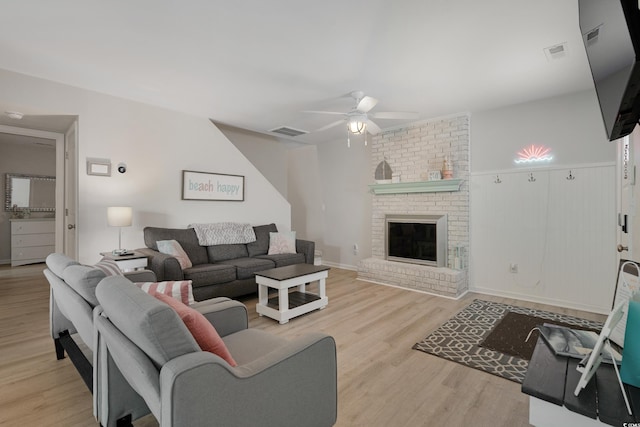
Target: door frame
[{"x": 59, "y": 140}]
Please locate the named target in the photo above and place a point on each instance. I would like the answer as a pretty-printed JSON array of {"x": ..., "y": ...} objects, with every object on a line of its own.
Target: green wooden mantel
[{"x": 417, "y": 187}]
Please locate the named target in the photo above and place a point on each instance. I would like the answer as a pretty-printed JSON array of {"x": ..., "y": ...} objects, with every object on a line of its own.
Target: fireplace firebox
[{"x": 417, "y": 239}]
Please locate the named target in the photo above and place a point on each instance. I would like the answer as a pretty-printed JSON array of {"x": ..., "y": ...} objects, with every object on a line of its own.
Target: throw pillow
[
  {"x": 179, "y": 289},
  {"x": 173, "y": 248},
  {"x": 283, "y": 242},
  {"x": 203, "y": 332},
  {"x": 109, "y": 267}
]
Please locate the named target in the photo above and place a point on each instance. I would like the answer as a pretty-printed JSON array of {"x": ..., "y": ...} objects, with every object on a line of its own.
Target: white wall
[
  {"x": 305, "y": 194},
  {"x": 27, "y": 159},
  {"x": 561, "y": 233},
  {"x": 570, "y": 125},
  {"x": 345, "y": 176},
  {"x": 265, "y": 152},
  {"x": 157, "y": 144}
]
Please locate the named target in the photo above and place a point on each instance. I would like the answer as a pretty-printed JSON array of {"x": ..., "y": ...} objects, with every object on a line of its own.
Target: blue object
[{"x": 630, "y": 369}]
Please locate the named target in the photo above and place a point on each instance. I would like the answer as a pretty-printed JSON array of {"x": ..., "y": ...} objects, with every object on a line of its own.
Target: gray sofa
[
  {"x": 220, "y": 270},
  {"x": 277, "y": 382},
  {"x": 71, "y": 305}
]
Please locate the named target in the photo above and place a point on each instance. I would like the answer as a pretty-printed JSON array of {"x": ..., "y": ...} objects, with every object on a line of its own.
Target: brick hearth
[{"x": 413, "y": 152}]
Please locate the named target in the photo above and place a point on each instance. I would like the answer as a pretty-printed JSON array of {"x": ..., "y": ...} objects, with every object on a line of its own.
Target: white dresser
[{"x": 31, "y": 240}]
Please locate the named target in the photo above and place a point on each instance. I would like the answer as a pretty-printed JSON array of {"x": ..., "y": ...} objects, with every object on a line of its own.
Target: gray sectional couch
[{"x": 220, "y": 270}]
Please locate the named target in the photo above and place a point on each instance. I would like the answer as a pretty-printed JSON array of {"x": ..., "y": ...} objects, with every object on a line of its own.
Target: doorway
[{"x": 58, "y": 143}]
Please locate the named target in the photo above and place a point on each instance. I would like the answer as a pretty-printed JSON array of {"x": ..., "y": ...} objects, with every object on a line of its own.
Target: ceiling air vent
[
  {"x": 556, "y": 51},
  {"x": 284, "y": 130}
]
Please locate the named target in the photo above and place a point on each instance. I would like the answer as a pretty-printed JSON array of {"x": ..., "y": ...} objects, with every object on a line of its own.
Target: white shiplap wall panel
[{"x": 561, "y": 234}]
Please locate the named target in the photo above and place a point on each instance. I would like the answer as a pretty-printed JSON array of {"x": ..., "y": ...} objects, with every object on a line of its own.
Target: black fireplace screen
[{"x": 412, "y": 240}]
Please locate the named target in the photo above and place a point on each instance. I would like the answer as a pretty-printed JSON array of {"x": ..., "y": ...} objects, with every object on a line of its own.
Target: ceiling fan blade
[
  {"x": 325, "y": 112},
  {"x": 366, "y": 104},
  {"x": 373, "y": 128},
  {"x": 395, "y": 115},
  {"x": 329, "y": 126}
]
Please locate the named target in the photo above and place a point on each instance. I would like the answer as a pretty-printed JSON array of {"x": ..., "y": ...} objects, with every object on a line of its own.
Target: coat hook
[
  {"x": 497, "y": 181},
  {"x": 531, "y": 178},
  {"x": 571, "y": 177}
]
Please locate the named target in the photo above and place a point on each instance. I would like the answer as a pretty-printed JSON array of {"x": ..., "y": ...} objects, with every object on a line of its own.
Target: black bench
[{"x": 553, "y": 379}]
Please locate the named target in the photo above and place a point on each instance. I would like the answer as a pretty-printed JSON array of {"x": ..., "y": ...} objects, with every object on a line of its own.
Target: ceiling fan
[{"x": 358, "y": 120}]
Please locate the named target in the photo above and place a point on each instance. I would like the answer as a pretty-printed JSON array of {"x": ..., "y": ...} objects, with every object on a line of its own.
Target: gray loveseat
[
  {"x": 277, "y": 382},
  {"x": 71, "y": 310},
  {"x": 220, "y": 270}
]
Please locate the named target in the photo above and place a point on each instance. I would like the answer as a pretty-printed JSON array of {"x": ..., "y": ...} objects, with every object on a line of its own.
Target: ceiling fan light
[{"x": 357, "y": 127}]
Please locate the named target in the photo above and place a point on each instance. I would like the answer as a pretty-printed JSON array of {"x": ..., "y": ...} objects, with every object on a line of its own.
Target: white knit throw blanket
[{"x": 224, "y": 233}]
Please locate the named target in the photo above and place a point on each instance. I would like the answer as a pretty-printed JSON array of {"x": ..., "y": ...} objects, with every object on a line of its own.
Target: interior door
[
  {"x": 628, "y": 197},
  {"x": 70, "y": 192}
]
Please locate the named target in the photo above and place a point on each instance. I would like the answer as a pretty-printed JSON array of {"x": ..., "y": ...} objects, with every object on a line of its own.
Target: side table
[{"x": 130, "y": 262}]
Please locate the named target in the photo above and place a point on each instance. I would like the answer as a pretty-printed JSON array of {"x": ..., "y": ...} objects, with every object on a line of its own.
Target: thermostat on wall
[{"x": 99, "y": 167}]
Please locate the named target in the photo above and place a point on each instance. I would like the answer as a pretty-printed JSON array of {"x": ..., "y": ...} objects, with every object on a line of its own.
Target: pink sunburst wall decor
[{"x": 534, "y": 154}]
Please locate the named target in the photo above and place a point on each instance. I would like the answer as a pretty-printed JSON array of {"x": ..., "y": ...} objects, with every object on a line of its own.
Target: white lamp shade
[{"x": 119, "y": 216}]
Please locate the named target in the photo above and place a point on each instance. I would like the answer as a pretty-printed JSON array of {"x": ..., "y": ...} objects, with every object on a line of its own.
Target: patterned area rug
[{"x": 458, "y": 339}]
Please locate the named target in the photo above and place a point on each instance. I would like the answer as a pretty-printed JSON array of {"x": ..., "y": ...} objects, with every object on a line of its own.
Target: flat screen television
[{"x": 611, "y": 35}]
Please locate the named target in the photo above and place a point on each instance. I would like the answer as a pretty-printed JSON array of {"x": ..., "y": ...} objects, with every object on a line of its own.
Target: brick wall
[{"x": 412, "y": 152}]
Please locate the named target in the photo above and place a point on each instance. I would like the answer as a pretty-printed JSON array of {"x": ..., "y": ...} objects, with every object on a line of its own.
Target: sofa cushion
[
  {"x": 283, "y": 242},
  {"x": 251, "y": 344},
  {"x": 84, "y": 279},
  {"x": 247, "y": 267},
  {"x": 153, "y": 326},
  {"x": 219, "y": 253},
  {"x": 202, "y": 331},
  {"x": 210, "y": 274},
  {"x": 282, "y": 260},
  {"x": 173, "y": 248},
  {"x": 261, "y": 245},
  {"x": 185, "y": 236},
  {"x": 58, "y": 262}
]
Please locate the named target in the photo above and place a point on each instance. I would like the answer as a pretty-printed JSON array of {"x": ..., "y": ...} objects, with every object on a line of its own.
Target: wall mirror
[{"x": 34, "y": 192}]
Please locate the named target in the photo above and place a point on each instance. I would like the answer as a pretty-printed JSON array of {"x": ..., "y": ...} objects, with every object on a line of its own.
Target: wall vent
[
  {"x": 556, "y": 51},
  {"x": 284, "y": 130}
]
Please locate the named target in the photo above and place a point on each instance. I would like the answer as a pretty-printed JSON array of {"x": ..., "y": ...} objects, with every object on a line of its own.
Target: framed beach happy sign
[{"x": 212, "y": 186}]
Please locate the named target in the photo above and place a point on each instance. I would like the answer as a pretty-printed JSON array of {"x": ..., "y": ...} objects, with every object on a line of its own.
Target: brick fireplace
[{"x": 412, "y": 153}]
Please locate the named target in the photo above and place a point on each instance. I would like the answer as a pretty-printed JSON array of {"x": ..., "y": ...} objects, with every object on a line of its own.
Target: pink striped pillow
[
  {"x": 109, "y": 267},
  {"x": 179, "y": 289}
]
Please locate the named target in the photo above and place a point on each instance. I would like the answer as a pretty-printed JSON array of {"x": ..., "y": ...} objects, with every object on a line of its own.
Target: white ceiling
[{"x": 257, "y": 64}]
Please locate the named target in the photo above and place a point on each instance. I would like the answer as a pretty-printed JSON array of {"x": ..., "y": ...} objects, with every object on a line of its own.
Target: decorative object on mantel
[
  {"x": 383, "y": 174},
  {"x": 396, "y": 178},
  {"x": 447, "y": 172},
  {"x": 435, "y": 176},
  {"x": 417, "y": 187}
]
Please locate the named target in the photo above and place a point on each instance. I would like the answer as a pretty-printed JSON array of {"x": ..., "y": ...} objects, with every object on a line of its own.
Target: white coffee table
[{"x": 288, "y": 305}]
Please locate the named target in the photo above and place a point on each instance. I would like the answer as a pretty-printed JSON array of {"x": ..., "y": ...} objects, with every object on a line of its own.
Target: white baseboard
[
  {"x": 342, "y": 266},
  {"x": 541, "y": 300}
]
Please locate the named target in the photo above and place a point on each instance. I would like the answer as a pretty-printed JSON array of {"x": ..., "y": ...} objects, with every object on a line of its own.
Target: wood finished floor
[{"x": 381, "y": 380}]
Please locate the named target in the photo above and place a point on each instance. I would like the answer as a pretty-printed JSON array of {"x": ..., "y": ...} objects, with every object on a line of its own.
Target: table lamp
[{"x": 119, "y": 216}]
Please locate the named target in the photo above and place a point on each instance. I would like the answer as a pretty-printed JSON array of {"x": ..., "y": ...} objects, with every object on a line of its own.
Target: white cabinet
[{"x": 31, "y": 240}]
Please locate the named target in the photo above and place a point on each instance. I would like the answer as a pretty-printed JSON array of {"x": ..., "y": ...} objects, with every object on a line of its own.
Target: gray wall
[
  {"x": 268, "y": 154},
  {"x": 157, "y": 144},
  {"x": 571, "y": 125}
]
